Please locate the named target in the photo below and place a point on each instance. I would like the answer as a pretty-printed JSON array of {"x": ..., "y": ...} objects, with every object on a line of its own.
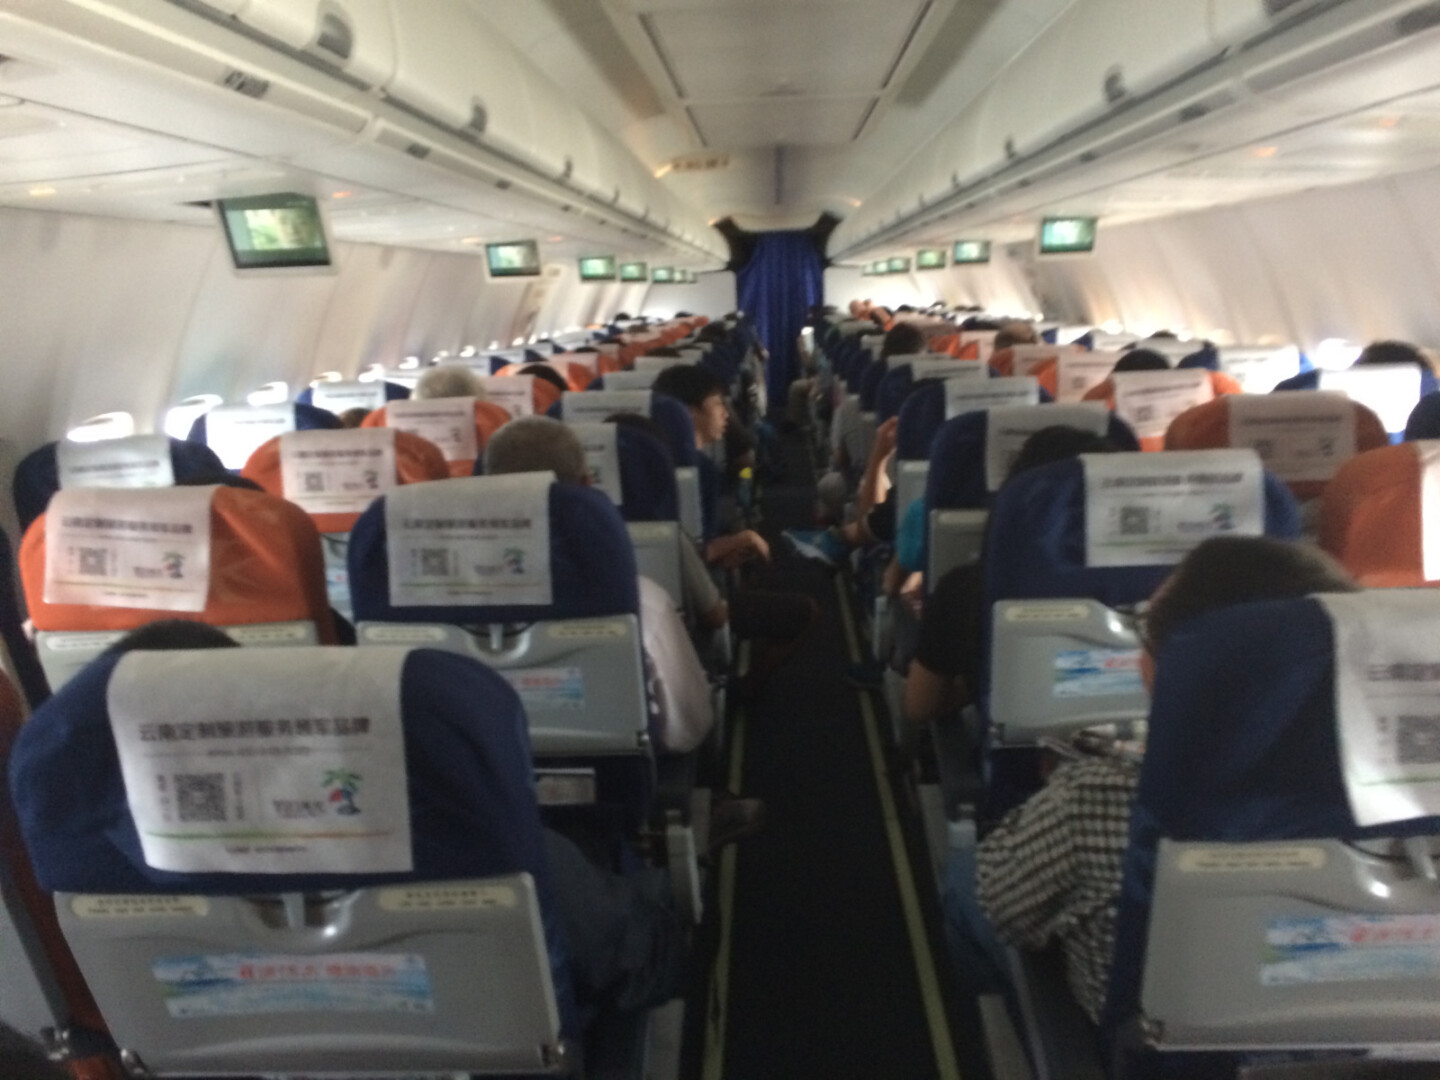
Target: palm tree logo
[{"x": 343, "y": 785}]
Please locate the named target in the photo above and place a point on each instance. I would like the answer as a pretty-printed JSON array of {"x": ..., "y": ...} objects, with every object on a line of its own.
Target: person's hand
[{"x": 737, "y": 549}]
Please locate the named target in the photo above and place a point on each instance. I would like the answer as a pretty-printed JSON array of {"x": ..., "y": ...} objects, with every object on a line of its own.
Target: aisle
[{"x": 824, "y": 968}]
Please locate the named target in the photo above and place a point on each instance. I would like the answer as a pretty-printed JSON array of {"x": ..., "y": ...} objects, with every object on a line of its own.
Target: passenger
[
  {"x": 1050, "y": 871},
  {"x": 944, "y": 674},
  {"x": 778, "y": 620},
  {"x": 680, "y": 691},
  {"x": 447, "y": 381},
  {"x": 702, "y": 602},
  {"x": 1015, "y": 333},
  {"x": 627, "y": 948},
  {"x": 353, "y": 418},
  {"x": 1139, "y": 359},
  {"x": 847, "y": 447}
]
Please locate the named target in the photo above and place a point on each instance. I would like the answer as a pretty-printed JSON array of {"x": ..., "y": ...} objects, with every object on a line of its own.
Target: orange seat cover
[
  {"x": 1207, "y": 427},
  {"x": 416, "y": 460},
  {"x": 489, "y": 418},
  {"x": 1370, "y": 518},
  {"x": 265, "y": 566}
]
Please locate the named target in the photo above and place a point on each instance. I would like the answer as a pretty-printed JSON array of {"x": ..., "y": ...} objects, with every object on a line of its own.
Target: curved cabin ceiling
[{"x": 772, "y": 111}]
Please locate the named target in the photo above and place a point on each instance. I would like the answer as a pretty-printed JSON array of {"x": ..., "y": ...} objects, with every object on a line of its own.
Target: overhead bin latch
[
  {"x": 335, "y": 37},
  {"x": 479, "y": 117}
]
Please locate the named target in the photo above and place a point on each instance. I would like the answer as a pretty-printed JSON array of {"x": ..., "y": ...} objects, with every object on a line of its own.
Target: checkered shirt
[{"x": 1050, "y": 870}]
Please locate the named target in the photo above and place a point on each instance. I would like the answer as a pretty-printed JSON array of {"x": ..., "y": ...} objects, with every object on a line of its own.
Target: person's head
[
  {"x": 1052, "y": 444},
  {"x": 666, "y": 351},
  {"x": 702, "y": 392},
  {"x": 448, "y": 381},
  {"x": 1015, "y": 333},
  {"x": 1394, "y": 352},
  {"x": 353, "y": 418},
  {"x": 546, "y": 373},
  {"x": 165, "y": 635},
  {"x": 537, "y": 444},
  {"x": 902, "y": 339},
  {"x": 1228, "y": 570},
  {"x": 221, "y": 479},
  {"x": 1141, "y": 360}
]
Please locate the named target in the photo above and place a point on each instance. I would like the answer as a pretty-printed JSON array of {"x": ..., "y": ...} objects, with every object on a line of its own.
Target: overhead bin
[{"x": 352, "y": 35}]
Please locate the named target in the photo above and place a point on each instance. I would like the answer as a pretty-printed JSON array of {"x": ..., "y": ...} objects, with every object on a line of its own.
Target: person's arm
[
  {"x": 735, "y": 549},
  {"x": 874, "y": 483},
  {"x": 928, "y": 694}
]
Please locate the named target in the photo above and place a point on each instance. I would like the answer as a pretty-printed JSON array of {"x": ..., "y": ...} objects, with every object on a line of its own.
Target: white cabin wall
[
  {"x": 714, "y": 294},
  {"x": 100, "y": 314},
  {"x": 1359, "y": 262}
]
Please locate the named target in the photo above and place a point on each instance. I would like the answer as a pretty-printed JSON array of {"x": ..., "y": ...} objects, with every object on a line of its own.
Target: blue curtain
[{"x": 784, "y": 277}]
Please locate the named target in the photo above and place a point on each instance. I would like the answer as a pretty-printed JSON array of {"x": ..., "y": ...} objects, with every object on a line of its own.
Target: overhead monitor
[
  {"x": 972, "y": 251},
  {"x": 930, "y": 259},
  {"x": 634, "y": 271},
  {"x": 275, "y": 232},
  {"x": 663, "y": 275},
  {"x": 1067, "y": 235},
  {"x": 517, "y": 258},
  {"x": 900, "y": 264},
  {"x": 597, "y": 268}
]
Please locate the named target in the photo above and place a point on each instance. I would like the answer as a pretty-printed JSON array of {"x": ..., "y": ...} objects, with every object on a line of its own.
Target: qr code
[
  {"x": 94, "y": 562},
  {"x": 1134, "y": 521},
  {"x": 1418, "y": 740},
  {"x": 1144, "y": 414},
  {"x": 200, "y": 796},
  {"x": 435, "y": 562},
  {"x": 314, "y": 483}
]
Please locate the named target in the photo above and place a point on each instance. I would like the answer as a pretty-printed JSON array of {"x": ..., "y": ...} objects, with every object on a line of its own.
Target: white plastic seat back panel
[
  {"x": 63, "y": 653},
  {"x": 1061, "y": 665},
  {"x": 956, "y": 538},
  {"x": 30, "y": 999},
  {"x": 399, "y": 979},
  {"x": 692, "y": 517},
  {"x": 581, "y": 681},
  {"x": 910, "y": 477},
  {"x": 1305, "y": 943},
  {"x": 657, "y": 554}
]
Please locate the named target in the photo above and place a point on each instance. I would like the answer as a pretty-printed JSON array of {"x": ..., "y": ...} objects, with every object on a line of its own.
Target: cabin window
[
  {"x": 272, "y": 393},
  {"x": 326, "y": 377},
  {"x": 110, "y": 425},
  {"x": 180, "y": 418}
]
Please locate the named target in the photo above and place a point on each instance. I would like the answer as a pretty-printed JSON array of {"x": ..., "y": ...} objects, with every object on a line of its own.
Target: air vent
[
  {"x": 1422, "y": 18},
  {"x": 503, "y": 184},
  {"x": 1010, "y": 152},
  {"x": 418, "y": 150},
  {"x": 479, "y": 119},
  {"x": 1115, "y": 85},
  {"x": 252, "y": 86},
  {"x": 335, "y": 38},
  {"x": 1194, "y": 112},
  {"x": 569, "y": 168}
]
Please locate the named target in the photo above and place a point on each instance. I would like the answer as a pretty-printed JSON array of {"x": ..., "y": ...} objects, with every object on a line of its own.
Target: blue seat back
[
  {"x": 37, "y": 477},
  {"x": 473, "y": 809},
  {"x": 1037, "y": 540},
  {"x": 1242, "y": 746},
  {"x": 592, "y": 567},
  {"x": 670, "y": 416},
  {"x": 921, "y": 415}
]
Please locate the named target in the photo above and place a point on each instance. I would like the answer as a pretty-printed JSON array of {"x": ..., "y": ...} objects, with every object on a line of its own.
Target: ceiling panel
[
  {"x": 734, "y": 52},
  {"x": 780, "y": 121}
]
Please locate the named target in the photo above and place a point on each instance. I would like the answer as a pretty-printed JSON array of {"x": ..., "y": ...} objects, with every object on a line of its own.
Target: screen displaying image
[
  {"x": 518, "y": 258},
  {"x": 634, "y": 271},
  {"x": 597, "y": 268},
  {"x": 900, "y": 264},
  {"x": 1061, "y": 235},
  {"x": 273, "y": 231},
  {"x": 930, "y": 259},
  {"x": 663, "y": 275},
  {"x": 972, "y": 251}
]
